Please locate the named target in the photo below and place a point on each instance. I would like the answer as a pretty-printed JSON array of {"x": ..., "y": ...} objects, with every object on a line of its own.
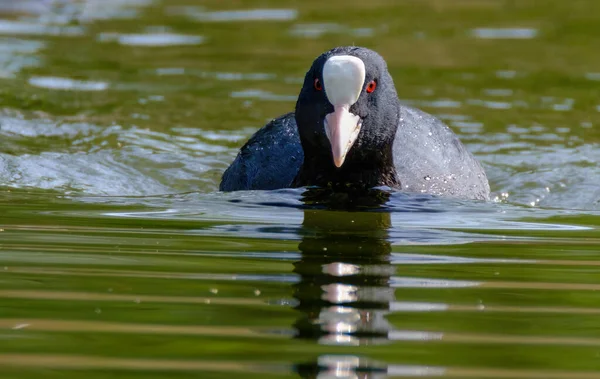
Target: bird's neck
[{"x": 362, "y": 169}]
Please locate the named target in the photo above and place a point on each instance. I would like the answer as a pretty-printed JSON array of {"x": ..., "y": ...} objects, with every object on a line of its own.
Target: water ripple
[
  {"x": 505, "y": 33},
  {"x": 152, "y": 39},
  {"x": 67, "y": 84},
  {"x": 199, "y": 14}
]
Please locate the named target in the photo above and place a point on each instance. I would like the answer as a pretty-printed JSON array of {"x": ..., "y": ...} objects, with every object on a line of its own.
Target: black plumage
[{"x": 398, "y": 146}]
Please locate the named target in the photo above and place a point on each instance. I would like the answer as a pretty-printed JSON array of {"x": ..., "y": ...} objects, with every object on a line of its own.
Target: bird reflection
[{"x": 344, "y": 293}]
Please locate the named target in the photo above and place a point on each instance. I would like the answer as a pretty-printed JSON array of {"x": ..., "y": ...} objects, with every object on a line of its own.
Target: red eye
[
  {"x": 371, "y": 86},
  {"x": 318, "y": 85}
]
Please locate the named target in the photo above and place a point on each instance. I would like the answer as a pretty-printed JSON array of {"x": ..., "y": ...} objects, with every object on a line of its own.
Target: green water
[{"x": 119, "y": 257}]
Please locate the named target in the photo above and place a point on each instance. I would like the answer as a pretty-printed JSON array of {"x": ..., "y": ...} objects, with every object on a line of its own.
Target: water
[{"x": 119, "y": 257}]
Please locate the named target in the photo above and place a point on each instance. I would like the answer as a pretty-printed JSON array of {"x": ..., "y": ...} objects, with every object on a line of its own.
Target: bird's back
[
  {"x": 429, "y": 158},
  {"x": 269, "y": 160}
]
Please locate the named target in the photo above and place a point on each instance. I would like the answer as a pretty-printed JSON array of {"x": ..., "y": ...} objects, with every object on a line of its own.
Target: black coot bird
[{"x": 350, "y": 130}]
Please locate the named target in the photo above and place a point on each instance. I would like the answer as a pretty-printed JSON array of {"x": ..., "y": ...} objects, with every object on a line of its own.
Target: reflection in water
[
  {"x": 353, "y": 367},
  {"x": 344, "y": 292},
  {"x": 341, "y": 366}
]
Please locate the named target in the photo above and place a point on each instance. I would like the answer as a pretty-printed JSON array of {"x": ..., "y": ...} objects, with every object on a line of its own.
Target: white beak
[{"x": 343, "y": 78}]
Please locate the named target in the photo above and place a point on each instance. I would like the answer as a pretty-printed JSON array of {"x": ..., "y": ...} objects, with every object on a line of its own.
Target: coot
[{"x": 349, "y": 129}]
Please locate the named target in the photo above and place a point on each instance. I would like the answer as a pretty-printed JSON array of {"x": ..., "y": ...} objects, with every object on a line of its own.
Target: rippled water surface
[{"x": 119, "y": 257}]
